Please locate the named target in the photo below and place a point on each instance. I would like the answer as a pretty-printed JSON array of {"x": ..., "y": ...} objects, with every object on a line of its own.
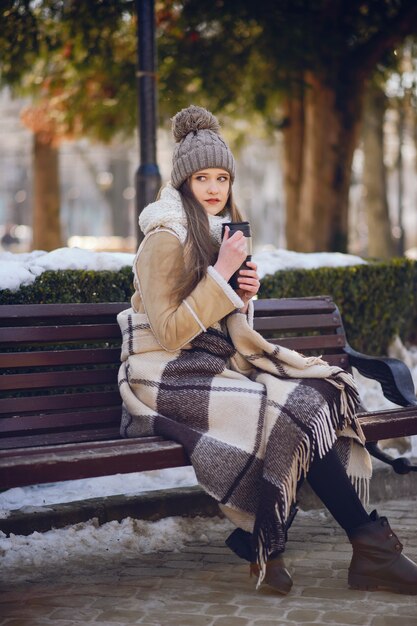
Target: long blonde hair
[{"x": 199, "y": 249}]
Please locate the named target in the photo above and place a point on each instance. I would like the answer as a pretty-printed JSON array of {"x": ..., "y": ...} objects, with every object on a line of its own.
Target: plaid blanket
[{"x": 250, "y": 414}]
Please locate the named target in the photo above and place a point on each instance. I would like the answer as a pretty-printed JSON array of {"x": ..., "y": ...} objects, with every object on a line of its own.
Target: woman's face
[{"x": 211, "y": 188}]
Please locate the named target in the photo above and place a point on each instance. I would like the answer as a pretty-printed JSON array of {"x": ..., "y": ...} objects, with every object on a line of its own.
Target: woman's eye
[{"x": 222, "y": 179}]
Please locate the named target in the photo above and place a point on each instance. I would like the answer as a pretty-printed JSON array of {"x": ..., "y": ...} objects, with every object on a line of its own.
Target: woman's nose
[{"x": 213, "y": 187}]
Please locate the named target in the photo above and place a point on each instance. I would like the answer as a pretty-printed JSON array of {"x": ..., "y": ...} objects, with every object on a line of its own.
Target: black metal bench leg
[{"x": 401, "y": 465}]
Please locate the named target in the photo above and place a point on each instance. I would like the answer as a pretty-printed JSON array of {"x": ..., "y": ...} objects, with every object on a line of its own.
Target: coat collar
[{"x": 168, "y": 212}]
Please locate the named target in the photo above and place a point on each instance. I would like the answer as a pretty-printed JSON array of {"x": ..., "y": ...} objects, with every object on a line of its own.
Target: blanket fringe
[
  {"x": 361, "y": 485},
  {"x": 349, "y": 395},
  {"x": 331, "y": 418}
]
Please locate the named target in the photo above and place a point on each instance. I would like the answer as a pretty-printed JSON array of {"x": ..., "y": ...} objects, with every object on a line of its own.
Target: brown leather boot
[
  {"x": 377, "y": 562},
  {"x": 276, "y": 575}
]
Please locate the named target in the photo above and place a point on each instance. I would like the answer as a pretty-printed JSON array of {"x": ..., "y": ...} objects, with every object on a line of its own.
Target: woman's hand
[
  {"x": 232, "y": 254},
  {"x": 249, "y": 284}
]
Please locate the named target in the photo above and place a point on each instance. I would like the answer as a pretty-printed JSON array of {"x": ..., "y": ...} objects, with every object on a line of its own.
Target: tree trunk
[
  {"x": 46, "y": 221},
  {"x": 380, "y": 242},
  {"x": 319, "y": 219},
  {"x": 293, "y": 131},
  {"x": 400, "y": 170}
]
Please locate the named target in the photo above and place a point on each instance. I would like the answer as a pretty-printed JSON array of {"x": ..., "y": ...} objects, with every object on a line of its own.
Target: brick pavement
[{"x": 204, "y": 584}]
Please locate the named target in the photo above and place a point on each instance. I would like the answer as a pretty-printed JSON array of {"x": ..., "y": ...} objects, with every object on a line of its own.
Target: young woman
[{"x": 254, "y": 418}]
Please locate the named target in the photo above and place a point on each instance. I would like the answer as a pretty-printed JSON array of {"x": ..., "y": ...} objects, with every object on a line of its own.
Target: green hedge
[
  {"x": 74, "y": 286},
  {"x": 377, "y": 300}
]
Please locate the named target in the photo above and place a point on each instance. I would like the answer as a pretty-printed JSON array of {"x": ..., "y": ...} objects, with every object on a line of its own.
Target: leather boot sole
[
  {"x": 366, "y": 583},
  {"x": 377, "y": 561}
]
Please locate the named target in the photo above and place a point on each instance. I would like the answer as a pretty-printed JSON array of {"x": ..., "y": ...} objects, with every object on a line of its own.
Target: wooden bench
[{"x": 60, "y": 407}]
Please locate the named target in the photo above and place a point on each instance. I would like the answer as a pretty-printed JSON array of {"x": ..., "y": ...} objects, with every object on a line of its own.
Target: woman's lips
[{"x": 213, "y": 200}]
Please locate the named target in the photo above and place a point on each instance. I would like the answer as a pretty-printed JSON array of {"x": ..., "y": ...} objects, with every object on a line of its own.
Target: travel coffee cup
[{"x": 245, "y": 228}]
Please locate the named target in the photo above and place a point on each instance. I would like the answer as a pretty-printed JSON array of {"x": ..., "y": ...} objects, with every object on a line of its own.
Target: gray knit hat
[{"x": 199, "y": 145}]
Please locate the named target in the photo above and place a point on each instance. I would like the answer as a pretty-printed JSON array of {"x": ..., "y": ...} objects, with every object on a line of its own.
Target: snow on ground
[
  {"x": 25, "y": 557},
  {"x": 72, "y": 551}
]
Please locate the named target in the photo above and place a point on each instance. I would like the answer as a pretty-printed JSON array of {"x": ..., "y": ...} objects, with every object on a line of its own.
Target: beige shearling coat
[{"x": 174, "y": 327}]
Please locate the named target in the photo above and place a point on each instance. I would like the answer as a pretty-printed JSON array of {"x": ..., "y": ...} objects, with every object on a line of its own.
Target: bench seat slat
[
  {"x": 90, "y": 446},
  {"x": 45, "y": 380},
  {"x": 113, "y": 458},
  {"x": 93, "y": 356},
  {"x": 390, "y": 423}
]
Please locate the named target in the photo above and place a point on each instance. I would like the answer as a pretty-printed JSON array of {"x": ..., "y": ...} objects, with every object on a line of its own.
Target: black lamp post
[{"x": 148, "y": 178}]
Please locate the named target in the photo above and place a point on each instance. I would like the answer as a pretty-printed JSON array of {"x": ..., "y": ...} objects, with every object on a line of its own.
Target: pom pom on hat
[
  {"x": 199, "y": 145},
  {"x": 192, "y": 119}
]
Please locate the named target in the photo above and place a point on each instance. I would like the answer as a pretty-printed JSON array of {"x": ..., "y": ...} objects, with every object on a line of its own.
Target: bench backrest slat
[
  {"x": 96, "y": 310},
  {"x": 294, "y": 306},
  {"x": 337, "y": 359},
  {"x": 70, "y": 401},
  {"x": 88, "y": 356},
  {"x": 44, "y": 380},
  {"x": 303, "y": 343},
  {"x": 67, "y": 436},
  {"x": 298, "y": 322},
  {"x": 33, "y": 334},
  {"x": 51, "y": 421}
]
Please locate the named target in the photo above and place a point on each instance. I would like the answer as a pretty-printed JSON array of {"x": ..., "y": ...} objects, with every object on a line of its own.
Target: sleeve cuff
[
  {"x": 230, "y": 293},
  {"x": 250, "y": 313}
]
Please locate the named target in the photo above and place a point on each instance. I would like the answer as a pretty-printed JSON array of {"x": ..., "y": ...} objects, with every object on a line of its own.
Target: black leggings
[{"x": 329, "y": 481}]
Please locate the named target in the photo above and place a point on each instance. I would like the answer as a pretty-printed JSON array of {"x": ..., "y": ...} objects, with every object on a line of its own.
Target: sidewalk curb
[
  {"x": 150, "y": 505},
  {"x": 184, "y": 501}
]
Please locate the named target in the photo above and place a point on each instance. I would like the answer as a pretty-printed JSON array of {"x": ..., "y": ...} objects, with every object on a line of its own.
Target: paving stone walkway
[{"x": 205, "y": 585}]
